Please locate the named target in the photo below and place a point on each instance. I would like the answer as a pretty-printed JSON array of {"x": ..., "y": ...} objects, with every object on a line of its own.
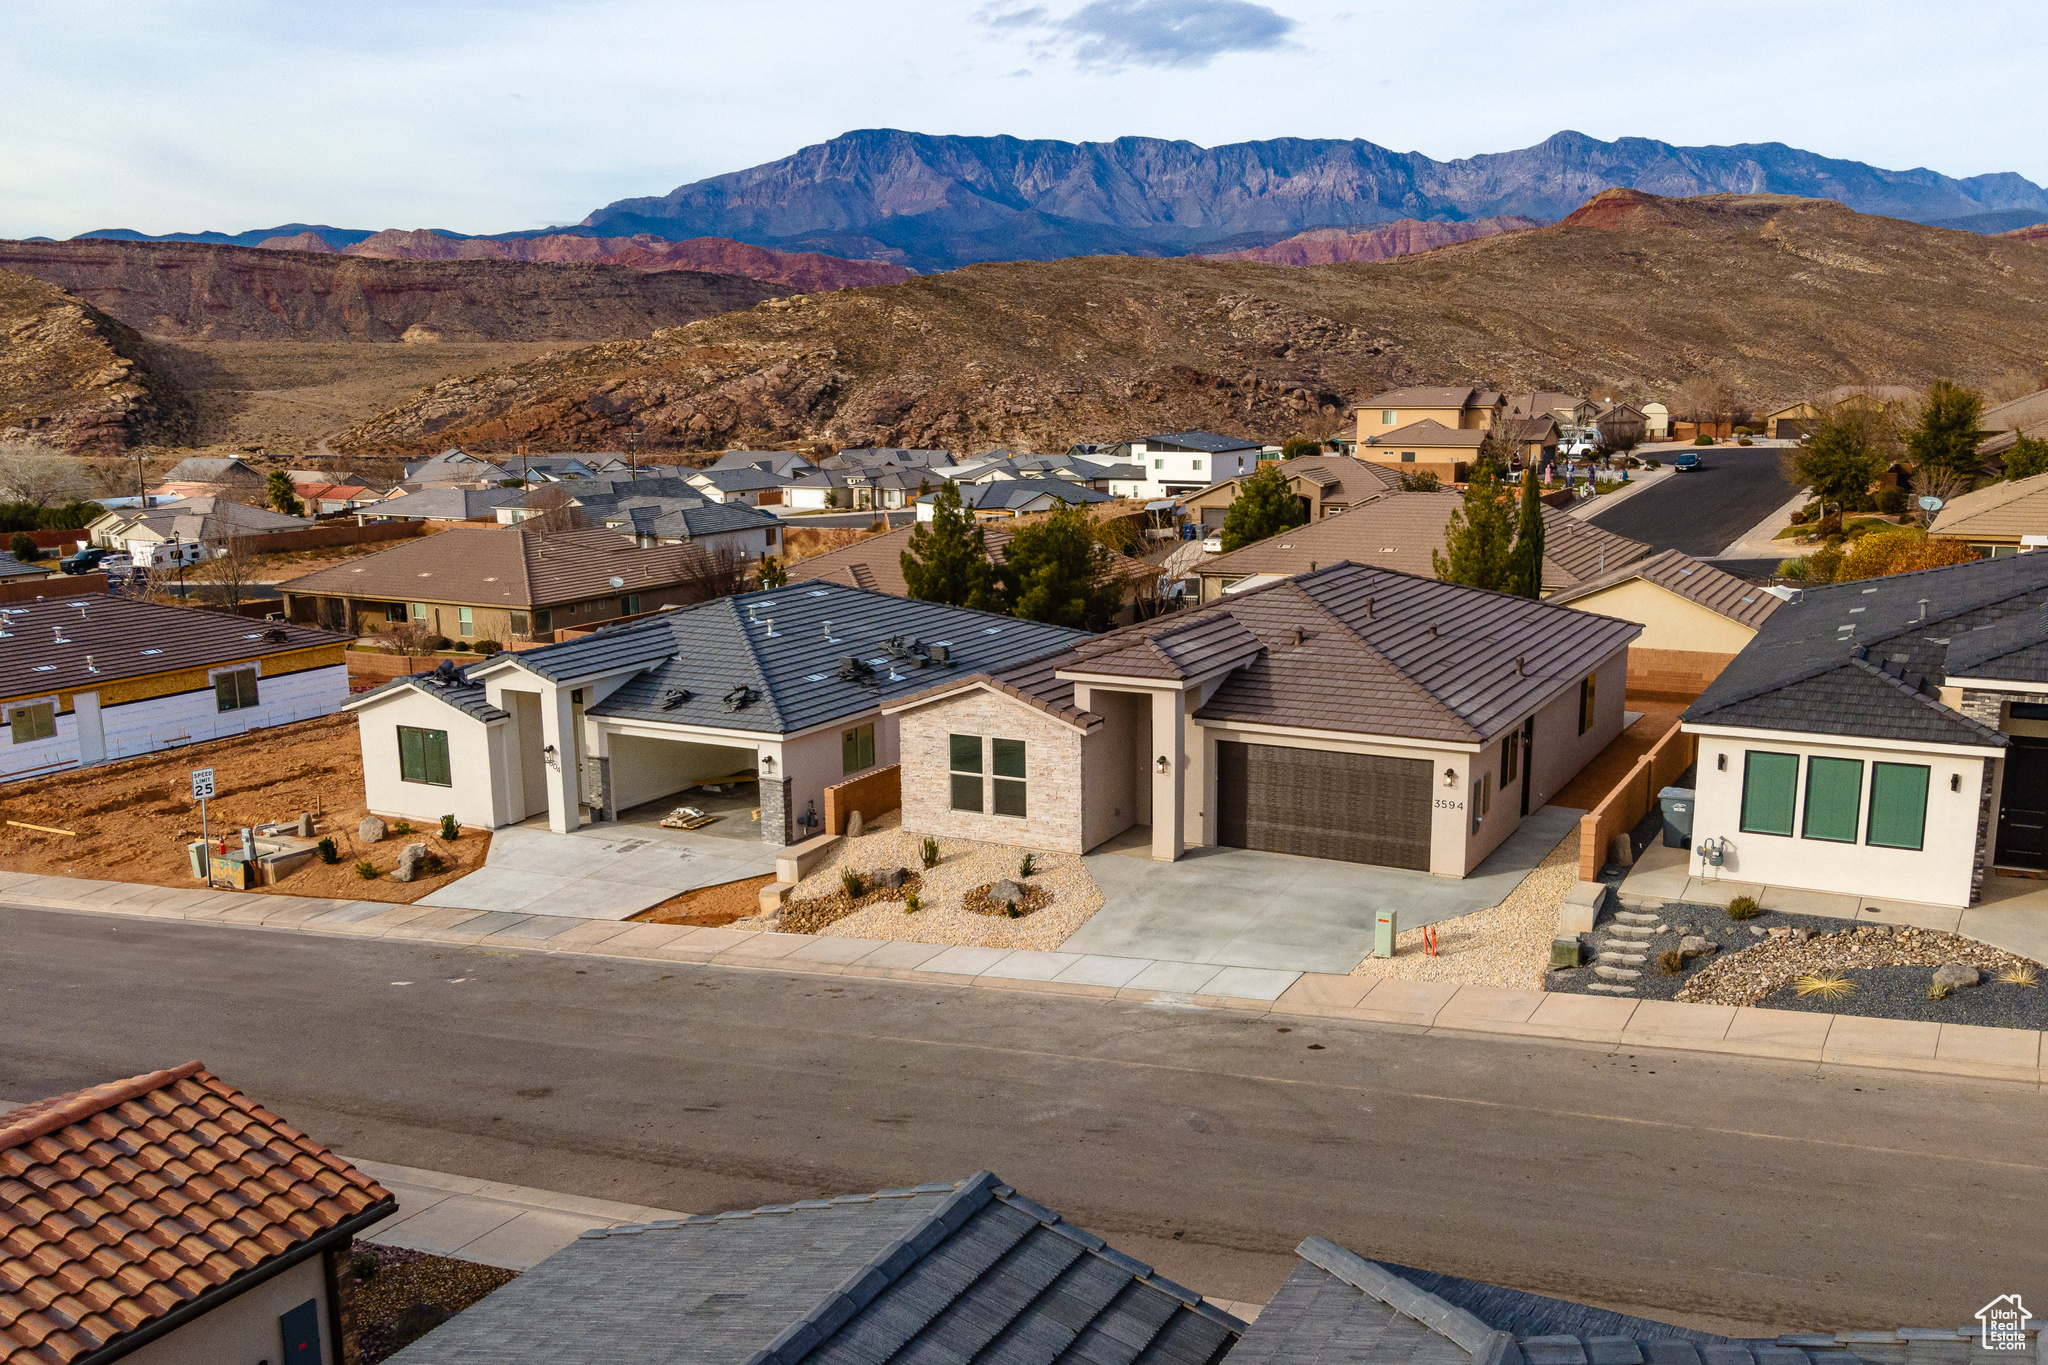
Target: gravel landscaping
[
  {"x": 401, "y": 1295},
  {"x": 1901, "y": 993},
  {"x": 947, "y": 915},
  {"x": 1508, "y": 945}
]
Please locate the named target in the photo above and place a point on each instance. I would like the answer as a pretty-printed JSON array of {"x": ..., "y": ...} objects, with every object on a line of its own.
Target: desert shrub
[
  {"x": 1702, "y": 440},
  {"x": 928, "y": 852},
  {"x": 1829, "y": 525},
  {"x": 449, "y": 829},
  {"x": 1652, "y": 464},
  {"x": 911, "y": 904},
  {"x": 1029, "y": 867},
  {"x": 1938, "y": 991},
  {"x": 1792, "y": 568},
  {"x": 1892, "y": 501},
  {"x": 367, "y": 871},
  {"x": 1806, "y": 514},
  {"x": 432, "y": 865},
  {"x": 852, "y": 883},
  {"x": 329, "y": 854},
  {"x": 366, "y": 1265},
  {"x": 24, "y": 548},
  {"x": 1671, "y": 962},
  {"x": 1744, "y": 441},
  {"x": 460, "y": 646},
  {"x": 1744, "y": 907},
  {"x": 488, "y": 647},
  {"x": 1823, "y": 565},
  {"x": 401, "y": 827}
]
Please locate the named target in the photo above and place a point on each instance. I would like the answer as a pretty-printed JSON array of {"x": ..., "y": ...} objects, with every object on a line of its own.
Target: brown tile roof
[
  {"x": 1430, "y": 434},
  {"x": 123, "y": 1203},
  {"x": 1675, "y": 571},
  {"x": 62, "y": 643},
  {"x": 2013, "y": 507},
  {"x": 1184, "y": 647},
  {"x": 1540, "y": 403},
  {"x": 1402, "y": 530},
  {"x": 508, "y": 566},
  {"x": 1426, "y": 397}
]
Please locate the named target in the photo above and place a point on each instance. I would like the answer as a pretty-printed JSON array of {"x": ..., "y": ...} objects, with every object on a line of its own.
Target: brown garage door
[{"x": 1359, "y": 808}]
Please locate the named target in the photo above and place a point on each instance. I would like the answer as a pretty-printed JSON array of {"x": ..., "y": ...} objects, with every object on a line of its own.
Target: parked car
[
  {"x": 85, "y": 561},
  {"x": 1577, "y": 450},
  {"x": 1686, "y": 463}
]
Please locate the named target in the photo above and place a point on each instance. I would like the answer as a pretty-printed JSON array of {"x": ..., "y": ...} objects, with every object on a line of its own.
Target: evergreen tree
[
  {"x": 1525, "y": 561},
  {"x": 1057, "y": 572},
  {"x": 1946, "y": 436},
  {"x": 770, "y": 574},
  {"x": 1843, "y": 454},
  {"x": 1264, "y": 506},
  {"x": 2027, "y": 458},
  {"x": 1481, "y": 535},
  {"x": 947, "y": 560}
]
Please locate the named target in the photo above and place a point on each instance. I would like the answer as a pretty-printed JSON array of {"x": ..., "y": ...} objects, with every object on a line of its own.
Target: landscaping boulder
[
  {"x": 853, "y": 825},
  {"x": 1006, "y": 892},
  {"x": 1695, "y": 946},
  {"x": 1955, "y": 974},
  {"x": 305, "y": 824},
  {"x": 409, "y": 860},
  {"x": 891, "y": 877},
  {"x": 371, "y": 830},
  {"x": 1565, "y": 954}
]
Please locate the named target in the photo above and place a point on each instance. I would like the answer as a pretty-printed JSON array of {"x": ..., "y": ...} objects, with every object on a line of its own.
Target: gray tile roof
[
  {"x": 941, "y": 1273},
  {"x": 204, "y": 469},
  {"x": 445, "y": 683},
  {"x": 2012, "y": 650},
  {"x": 779, "y": 460},
  {"x": 745, "y": 479},
  {"x": 710, "y": 650},
  {"x": 446, "y": 504},
  {"x": 887, "y": 457},
  {"x": 1675, "y": 571},
  {"x": 1866, "y": 658},
  {"x": 677, "y": 518},
  {"x": 2006, "y": 510},
  {"x": 1202, "y": 440},
  {"x": 1187, "y": 648},
  {"x": 1006, "y": 493}
]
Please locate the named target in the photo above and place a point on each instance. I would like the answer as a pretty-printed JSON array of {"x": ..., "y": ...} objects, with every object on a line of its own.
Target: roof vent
[
  {"x": 942, "y": 655},
  {"x": 1923, "y": 609},
  {"x": 741, "y": 697},
  {"x": 675, "y": 697},
  {"x": 1299, "y": 635},
  {"x": 1368, "y": 609},
  {"x": 1520, "y": 661},
  {"x": 1432, "y": 630},
  {"x": 858, "y": 671}
]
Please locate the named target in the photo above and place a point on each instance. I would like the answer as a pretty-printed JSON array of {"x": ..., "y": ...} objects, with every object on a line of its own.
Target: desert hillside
[
  {"x": 73, "y": 378},
  {"x": 1328, "y": 246},
  {"x": 1773, "y": 296},
  {"x": 199, "y": 291}
]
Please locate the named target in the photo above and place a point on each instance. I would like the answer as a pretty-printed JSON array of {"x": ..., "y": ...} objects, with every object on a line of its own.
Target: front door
[{"x": 2023, "y": 804}]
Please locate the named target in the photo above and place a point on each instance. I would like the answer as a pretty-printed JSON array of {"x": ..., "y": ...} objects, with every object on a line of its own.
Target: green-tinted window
[
  {"x": 1007, "y": 757},
  {"x": 966, "y": 753},
  {"x": 31, "y": 723},
  {"x": 465, "y": 619},
  {"x": 1770, "y": 784},
  {"x": 235, "y": 690},
  {"x": 1898, "y": 805},
  {"x": 423, "y": 756},
  {"x": 1834, "y": 799},
  {"x": 965, "y": 758},
  {"x": 857, "y": 748}
]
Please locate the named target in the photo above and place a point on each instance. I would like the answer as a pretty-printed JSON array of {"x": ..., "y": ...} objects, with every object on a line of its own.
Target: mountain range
[{"x": 932, "y": 202}]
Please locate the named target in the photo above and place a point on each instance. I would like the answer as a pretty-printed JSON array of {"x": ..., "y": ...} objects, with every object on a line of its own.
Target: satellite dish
[
  {"x": 1930, "y": 504},
  {"x": 620, "y": 582}
]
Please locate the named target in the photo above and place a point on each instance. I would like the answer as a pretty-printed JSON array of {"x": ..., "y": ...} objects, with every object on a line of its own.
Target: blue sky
[{"x": 179, "y": 115}]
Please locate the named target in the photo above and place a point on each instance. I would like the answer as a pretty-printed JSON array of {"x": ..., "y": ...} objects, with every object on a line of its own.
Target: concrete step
[
  {"x": 1605, "y": 989},
  {"x": 1623, "y": 959},
  {"x": 1632, "y": 917},
  {"x": 1616, "y": 973},
  {"x": 1633, "y": 932}
]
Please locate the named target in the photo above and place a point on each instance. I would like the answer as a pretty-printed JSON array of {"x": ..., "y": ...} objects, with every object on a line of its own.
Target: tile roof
[
  {"x": 1202, "y": 440},
  {"x": 1675, "y": 571},
  {"x": 967, "y": 1272},
  {"x": 446, "y": 504},
  {"x": 885, "y": 457},
  {"x": 124, "y": 1203},
  {"x": 2011, "y": 507},
  {"x": 62, "y": 643},
  {"x": 1542, "y": 403},
  {"x": 447, "y": 684},
  {"x": 1188, "y": 647},
  {"x": 1430, "y": 434},
  {"x": 2012, "y": 650},
  {"x": 1006, "y": 493},
  {"x": 745, "y": 479},
  {"x": 2027, "y": 414},
  {"x": 502, "y": 566},
  {"x": 676, "y": 518},
  {"x": 208, "y": 518},
  {"x": 1338, "y": 476},
  {"x": 10, "y": 567},
  {"x": 1399, "y": 530},
  {"x": 779, "y": 460},
  {"x": 202, "y": 469},
  {"x": 1866, "y": 658}
]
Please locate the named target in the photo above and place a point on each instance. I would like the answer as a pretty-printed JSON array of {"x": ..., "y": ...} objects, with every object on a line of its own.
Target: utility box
[
  {"x": 1565, "y": 954},
  {"x": 1384, "y": 927},
  {"x": 1677, "y": 803},
  {"x": 196, "y": 850},
  {"x": 235, "y": 872}
]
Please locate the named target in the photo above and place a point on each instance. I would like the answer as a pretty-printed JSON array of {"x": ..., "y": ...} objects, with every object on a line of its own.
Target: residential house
[
  {"x": 13, "y": 570},
  {"x": 1187, "y": 461},
  {"x": 1562, "y": 408},
  {"x": 1015, "y": 498},
  {"x": 1352, "y": 713},
  {"x": 876, "y": 563},
  {"x": 1796, "y": 419},
  {"x": 1884, "y": 737},
  {"x": 211, "y": 522},
  {"x": 880, "y": 458},
  {"x": 670, "y": 511},
  {"x": 1695, "y": 618},
  {"x": 1116, "y": 479},
  {"x": 200, "y": 476},
  {"x": 2007, "y": 422},
  {"x": 1325, "y": 484},
  {"x": 483, "y": 584},
  {"x": 811, "y": 490},
  {"x": 84, "y": 680},
  {"x": 322, "y": 498},
  {"x": 2005, "y": 518},
  {"x": 1460, "y": 409},
  {"x": 454, "y": 468},
  {"x": 442, "y": 504},
  {"x": 785, "y": 685},
  {"x": 1427, "y": 446},
  {"x": 1535, "y": 439},
  {"x": 1405, "y": 531},
  {"x": 170, "y": 1218},
  {"x": 752, "y": 486},
  {"x": 964, "y": 1271},
  {"x": 776, "y": 461}
]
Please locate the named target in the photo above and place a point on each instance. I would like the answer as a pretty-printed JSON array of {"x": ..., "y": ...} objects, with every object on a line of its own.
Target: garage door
[{"x": 1359, "y": 808}]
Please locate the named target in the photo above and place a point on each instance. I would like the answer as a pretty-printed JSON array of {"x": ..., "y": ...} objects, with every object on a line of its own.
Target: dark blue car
[{"x": 1686, "y": 463}]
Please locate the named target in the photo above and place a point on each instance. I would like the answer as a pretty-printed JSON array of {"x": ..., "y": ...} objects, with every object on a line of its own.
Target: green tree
[
  {"x": 947, "y": 560},
  {"x": 2027, "y": 458},
  {"x": 23, "y": 547},
  {"x": 1057, "y": 572},
  {"x": 1525, "y": 561},
  {"x": 282, "y": 496},
  {"x": 1844, "y": 453},
  {"x": 1264, "y": 506},
  {"x": 1481, "y": 534},
  {"x": 1297, "y": 447},
  {"x": 1947, "y": 433},
  {"x": 771, "y": 574}
]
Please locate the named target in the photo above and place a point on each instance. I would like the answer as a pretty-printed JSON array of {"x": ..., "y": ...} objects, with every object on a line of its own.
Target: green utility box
[
  {"x": 1384, "y": 927},
  {"x": 1564, "y": 953}
]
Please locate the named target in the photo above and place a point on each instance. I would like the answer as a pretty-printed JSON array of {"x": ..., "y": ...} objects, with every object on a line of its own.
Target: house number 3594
[{"x": 1450, "y": 805}]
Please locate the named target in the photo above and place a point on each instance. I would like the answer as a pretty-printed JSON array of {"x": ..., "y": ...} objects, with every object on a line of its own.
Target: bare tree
[
  {"x": 409, "y": 639},
  {"x": 37, "y": 474},
  {"x": 707, "y": 574},
  {"x": 1936, "y": 482},
  {"x": 551, "y": 508},
  {"x": 1702, "y": 399},
  {"x": 227, "y": 579}
]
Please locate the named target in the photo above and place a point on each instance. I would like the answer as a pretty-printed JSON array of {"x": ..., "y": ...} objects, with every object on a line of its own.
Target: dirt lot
[
  {"x": 132, "y": 819},
  {"x": 710, "y": 907}
]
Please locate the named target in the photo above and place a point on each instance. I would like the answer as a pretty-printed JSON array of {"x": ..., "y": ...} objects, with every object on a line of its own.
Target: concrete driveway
[
  {"x": 1238, "y": 908},
  {"x": 609, "y": 871}
]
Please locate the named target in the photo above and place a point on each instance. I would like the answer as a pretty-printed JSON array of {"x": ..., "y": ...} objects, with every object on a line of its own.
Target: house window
[
  {"x": 965, "y": 763},
  {"x": 1769, "y": 787},
  {"x": 1387, "y": 417},
  {"x": 35, "y": 721},
  {"x": 423, "y": 756},
  {"x": 857, "y": 748},
  {"x": 1195, "y": 465},
  {"x": 1834, "y": 798},
  {"x": 1510, "y": 758},
  {"x": 769, "y": 537},
  {"x": 1898, "y": 806},
  {"x": 234, "y": 690},
  {"x": 1482, "y": 800},
  {"x": 419, "y": 611},
  {"x": 1159, "y": 464},
  {"x": 1587, "y": 698},
  {"x": 629, "y": 605},
  {"x": 396, "y": 612},
  {"x": 543, "y": 623},
  {"x": 465, "y": 621},
  {"x": 1407, "y": 457},
  {"x": 521, "y": 623},
  {"x": 1008, "y": 766}
]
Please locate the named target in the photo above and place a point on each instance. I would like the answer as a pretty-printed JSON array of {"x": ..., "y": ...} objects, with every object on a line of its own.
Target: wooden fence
[
  {"x": 326, "y": 537},
  {"x": 1632, "y": 798},
  {"x": 871, "y": 794}
]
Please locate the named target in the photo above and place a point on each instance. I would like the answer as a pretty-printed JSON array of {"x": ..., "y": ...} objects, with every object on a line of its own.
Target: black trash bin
[{"x": 1677, "y": 806}]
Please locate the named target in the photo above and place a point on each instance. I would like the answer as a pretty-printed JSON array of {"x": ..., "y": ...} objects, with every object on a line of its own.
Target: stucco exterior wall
[
  {"x": 475, "y": 771},
  {"x": 1560, "y": 750},
  {"x": 246, "y": 1327},
  {"x": 1053, "y": 766},
  {"x": 1668, "y": 620},
  {"x": 1938, "y": 873},
  {"x": 1503, "y": 805}
]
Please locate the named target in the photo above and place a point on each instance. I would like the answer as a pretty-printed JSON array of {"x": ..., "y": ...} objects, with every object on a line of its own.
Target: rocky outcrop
[
  {"x": 304, "y": 241},
  {"x": 805, "y": 271},
  {"x": 1770, "y": 295},
  {"x": 231, "y": 293},
  {"x": 1333, "y": 246},
  {"x": 2037, "y": 233},
  {"x": 74, "y": 378}
]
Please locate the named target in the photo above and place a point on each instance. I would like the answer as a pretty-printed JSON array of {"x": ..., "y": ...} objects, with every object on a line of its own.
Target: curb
[{"x": 1824, "y": 1041}]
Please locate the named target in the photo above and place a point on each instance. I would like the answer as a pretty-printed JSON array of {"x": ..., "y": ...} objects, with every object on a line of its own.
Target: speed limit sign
[{"x": 202, "y": 784}]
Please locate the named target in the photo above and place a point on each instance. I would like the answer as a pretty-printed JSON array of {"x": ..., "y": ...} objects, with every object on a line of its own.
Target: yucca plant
[
  {"x": 1939, "y": 991},
  {"x": 929, "y": 852},
  {"x": 449, "y": 829},
  {"x": 1826, "y": 985},
  {"x": 1028, "y": 867},
  {"x": 851, "y": 883},
  {"x": 2019, "y": 976}
]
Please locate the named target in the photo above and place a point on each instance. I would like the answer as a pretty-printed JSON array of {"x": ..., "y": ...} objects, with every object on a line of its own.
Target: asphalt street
[
  {"x": 1704, "y": 512},
  {"x": 1724, "y": 1193}
]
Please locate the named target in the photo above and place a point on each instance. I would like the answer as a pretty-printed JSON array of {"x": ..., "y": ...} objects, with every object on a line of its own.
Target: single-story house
[
  {"x": 1178, "y": 462},
  {"x": 1466, "y": 409},
  {"x": 501, "y": 584},
  {"x": 1015, "y": 498},
  {"x": 454, "y": 467},
  {"x": 1352, "y": 713},
  {"x": 2005, "y": 518},
  {"x": 887, "y": 457},
  {"x": 784, "y": 686},
  {"x": 2007, "y": 422},
  {"x": 1427, "y": 445},
  {"x": 191, "y": 521},
  {"x": 324, "y": 498},
  {"x": 87, "y": 679},
  {"x": 201, "y": 476},
  {"x": 13, "y": 570},
  {"x": 170, "y": 1218},
  {"x": 1404, "y": 531},
  {"x": 1796, "y": 419},
  {"x": 749, "y": 484},
  {"x": 442, "y": 504},
  {"x": 775, "y": 461},
  {"x": 1325, "y": 484},
  {"x": 1695, "y": 618},
  {"x": 661, "y": 511},
  {"x": 1883, "y": 737},
  {"x": 1535, "y": 438}
]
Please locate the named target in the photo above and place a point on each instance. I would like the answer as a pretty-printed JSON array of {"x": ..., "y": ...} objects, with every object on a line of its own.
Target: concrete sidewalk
[
  {"x": 482, "y": 1220},
  {"x": 1617, "y": 1023}
]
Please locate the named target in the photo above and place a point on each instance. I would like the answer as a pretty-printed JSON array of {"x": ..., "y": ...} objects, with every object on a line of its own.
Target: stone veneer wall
[
  {"x": 1988, "y": 708},
  {"x": 1052, "y": 773},
  {"x": 775, "y": 813}
]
